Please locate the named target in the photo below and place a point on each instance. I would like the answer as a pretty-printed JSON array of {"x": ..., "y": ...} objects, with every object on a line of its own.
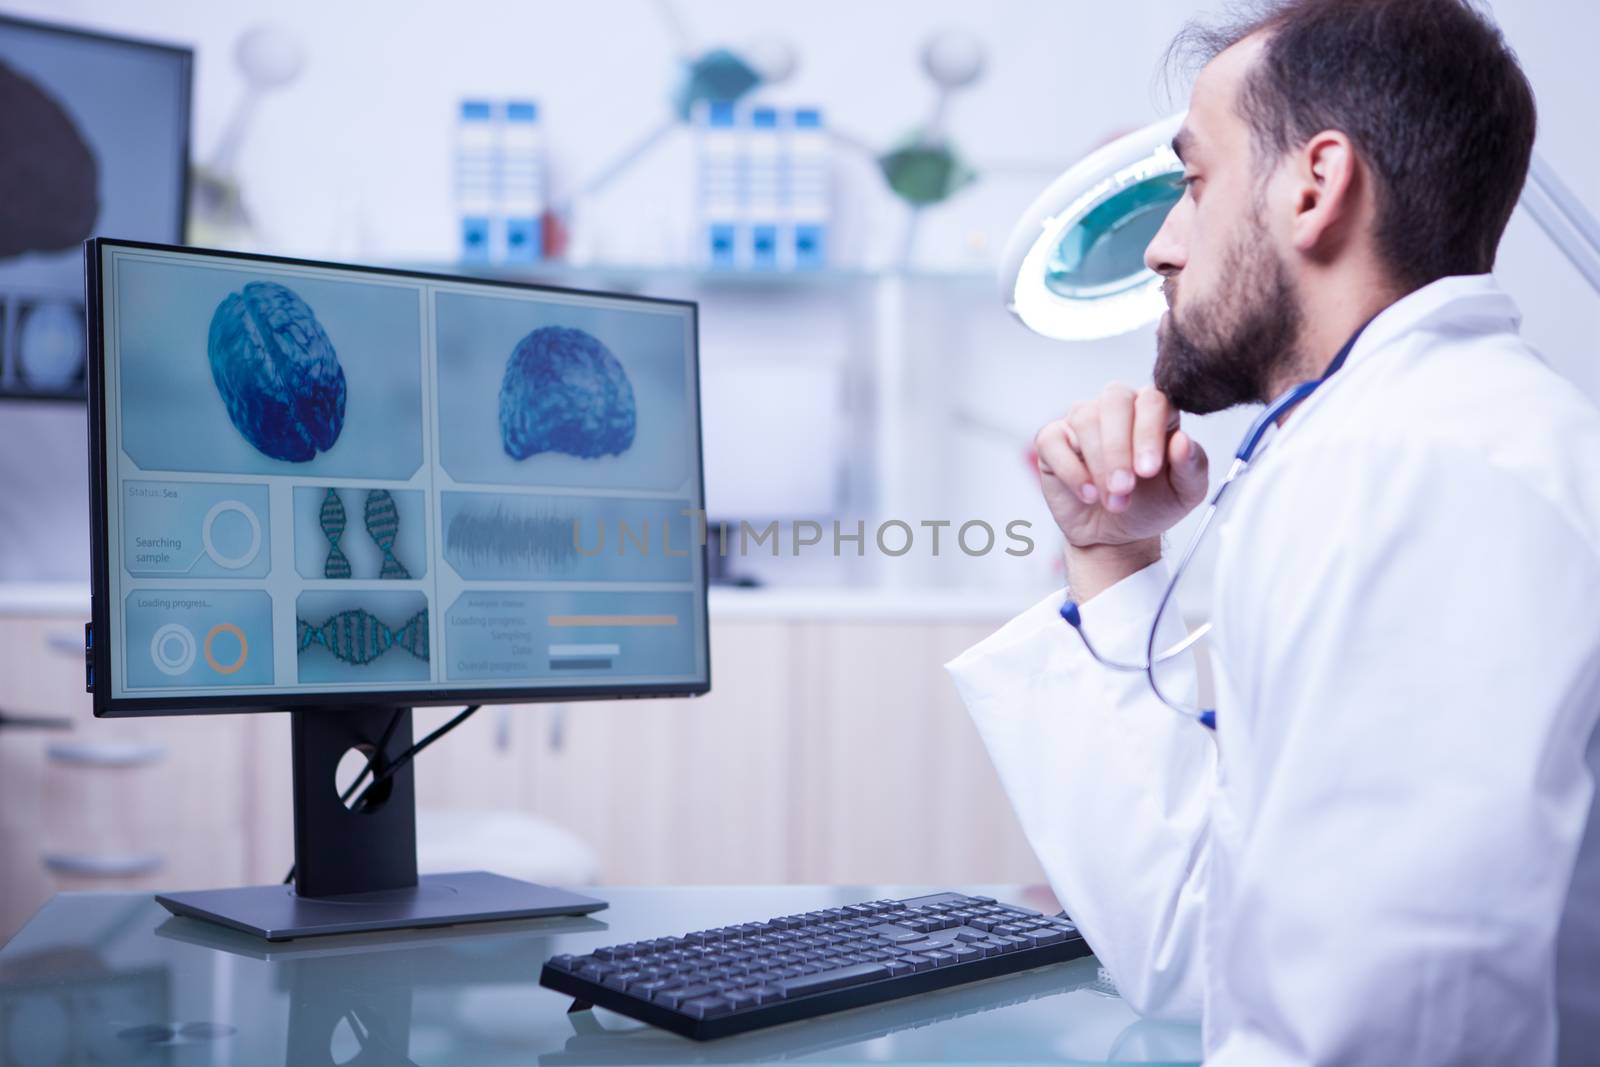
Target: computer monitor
[
  {"x": 344, "y": 491},
  {"x": 97, "y": 136}
]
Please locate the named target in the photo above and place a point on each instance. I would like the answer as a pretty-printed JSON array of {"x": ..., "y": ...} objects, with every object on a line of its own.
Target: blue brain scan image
[
  {"x": 564, "y": 391},
  {"x": 277, "y": 372}
]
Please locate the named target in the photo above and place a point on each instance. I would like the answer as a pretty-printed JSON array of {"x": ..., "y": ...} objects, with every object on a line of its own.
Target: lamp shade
[{"x": 1073, "y": 267}]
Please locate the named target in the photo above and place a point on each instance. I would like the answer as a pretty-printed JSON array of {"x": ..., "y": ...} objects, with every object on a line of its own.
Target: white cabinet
[
  {"x": 831, "y": 749},
  {"x": 110, "y": 804}
]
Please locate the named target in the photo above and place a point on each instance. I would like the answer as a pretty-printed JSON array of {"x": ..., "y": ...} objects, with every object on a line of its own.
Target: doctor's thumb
[{"x": 1187, "y": 467}]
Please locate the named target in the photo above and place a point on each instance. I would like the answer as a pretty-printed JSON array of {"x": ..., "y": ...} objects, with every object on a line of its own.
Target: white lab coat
[{"x": 1389, "y": 851}]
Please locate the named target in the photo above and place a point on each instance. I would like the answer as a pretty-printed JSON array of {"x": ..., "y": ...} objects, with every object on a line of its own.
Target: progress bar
[{"x": 612, "y": 620}]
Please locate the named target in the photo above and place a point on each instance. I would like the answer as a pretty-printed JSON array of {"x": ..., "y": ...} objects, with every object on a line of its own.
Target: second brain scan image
[{"x": 535, "y": 392}]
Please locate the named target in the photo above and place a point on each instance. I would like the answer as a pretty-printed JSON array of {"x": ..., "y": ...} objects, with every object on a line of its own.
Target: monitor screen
[
  {"x": 97, "y": 136},
  {"x": 105, "y": 125},
  {"x": 321, "y": 484}
]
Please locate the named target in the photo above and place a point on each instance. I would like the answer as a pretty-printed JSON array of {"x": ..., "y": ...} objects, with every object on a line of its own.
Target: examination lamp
[{"x": 1073, "y": 268}]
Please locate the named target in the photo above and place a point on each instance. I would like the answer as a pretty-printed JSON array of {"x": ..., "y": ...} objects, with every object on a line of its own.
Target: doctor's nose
[{"x": 1166, "y": 254}]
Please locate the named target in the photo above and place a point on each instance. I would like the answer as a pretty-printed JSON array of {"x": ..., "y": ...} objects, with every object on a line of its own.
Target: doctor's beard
[{"x": 1226, "y": 352}]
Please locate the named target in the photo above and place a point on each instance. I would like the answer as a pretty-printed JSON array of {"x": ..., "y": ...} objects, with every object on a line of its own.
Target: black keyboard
[{"x": 713, "y": 983}]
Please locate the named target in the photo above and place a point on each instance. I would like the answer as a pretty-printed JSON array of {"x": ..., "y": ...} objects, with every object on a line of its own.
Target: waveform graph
[
  {"x": 362, "y": 637},
  {"x": 365, "y": 532},
  {"x": 531, "y": 537},
  {"x": 572, "y": 638}
]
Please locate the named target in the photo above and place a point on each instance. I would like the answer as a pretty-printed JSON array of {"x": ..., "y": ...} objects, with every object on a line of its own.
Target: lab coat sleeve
[
  {"x": 1111, "y": 787},
  {"x": 1418, "y": 667}
]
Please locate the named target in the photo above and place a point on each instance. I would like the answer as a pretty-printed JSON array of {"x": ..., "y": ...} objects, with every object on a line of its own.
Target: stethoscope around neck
[{"x": 1253, "y": 438}]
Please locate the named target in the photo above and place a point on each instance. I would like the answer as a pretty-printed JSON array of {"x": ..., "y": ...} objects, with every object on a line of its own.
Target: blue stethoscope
[{"x": 1206, "y": 717}]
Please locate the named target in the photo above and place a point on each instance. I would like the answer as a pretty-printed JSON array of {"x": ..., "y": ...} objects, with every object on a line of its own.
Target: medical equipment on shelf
[{"x": 500, "y": 187}]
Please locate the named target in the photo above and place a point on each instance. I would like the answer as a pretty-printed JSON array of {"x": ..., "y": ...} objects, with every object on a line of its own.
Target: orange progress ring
[{"x": 244, "y": 648}]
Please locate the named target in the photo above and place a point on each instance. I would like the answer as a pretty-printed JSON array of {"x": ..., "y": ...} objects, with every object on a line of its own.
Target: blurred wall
[{"x": 353, "y": 160}]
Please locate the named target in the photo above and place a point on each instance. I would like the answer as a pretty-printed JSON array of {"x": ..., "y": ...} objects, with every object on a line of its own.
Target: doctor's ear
[{"x": 1331, "y": 195}]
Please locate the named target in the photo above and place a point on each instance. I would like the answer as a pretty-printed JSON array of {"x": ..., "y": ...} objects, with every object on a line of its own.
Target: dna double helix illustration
[
  {"x": 382, "y": 519},
  {"x": 332, "y": 520},
  {"x": 356, "y": 636},
  {"x": 383, "y": 522}
]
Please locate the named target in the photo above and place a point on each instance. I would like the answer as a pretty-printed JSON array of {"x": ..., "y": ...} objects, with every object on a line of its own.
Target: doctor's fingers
[
  {"x": 1059, "y": 459},
  {"x": 1154, "y": 421},
  {"x": 1188, "y": 469},
  {"x": 1083, "y": 431},
  {"x": 1114, "y": 471}
]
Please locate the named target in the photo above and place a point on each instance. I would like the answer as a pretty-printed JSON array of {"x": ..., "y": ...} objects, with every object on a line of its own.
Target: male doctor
[{"x": 1388, "y": 850}]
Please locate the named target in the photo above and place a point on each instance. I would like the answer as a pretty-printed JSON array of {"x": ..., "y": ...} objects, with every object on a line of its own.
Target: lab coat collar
[{"x": 1461, "y": 300}]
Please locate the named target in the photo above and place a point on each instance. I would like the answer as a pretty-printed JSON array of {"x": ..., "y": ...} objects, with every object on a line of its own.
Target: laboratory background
[{"x": 857, "y": 366}]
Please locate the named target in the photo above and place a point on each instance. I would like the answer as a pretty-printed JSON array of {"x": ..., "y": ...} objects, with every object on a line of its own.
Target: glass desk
[{"x": 111, "y": 978}]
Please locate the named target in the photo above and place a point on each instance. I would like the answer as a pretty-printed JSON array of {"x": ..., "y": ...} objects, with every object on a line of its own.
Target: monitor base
[{"x": 277, "y": 913}]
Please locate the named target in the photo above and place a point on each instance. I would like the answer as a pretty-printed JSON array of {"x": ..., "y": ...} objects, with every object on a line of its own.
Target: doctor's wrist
[{"x": 1092, "y": 569}]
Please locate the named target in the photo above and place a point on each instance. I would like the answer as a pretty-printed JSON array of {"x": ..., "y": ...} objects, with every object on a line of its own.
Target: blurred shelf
[{"x": 638, "y": 277}]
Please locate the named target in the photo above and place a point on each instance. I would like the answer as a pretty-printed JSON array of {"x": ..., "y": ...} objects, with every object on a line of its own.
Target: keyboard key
[
  {"x": 621, "y": 979},
  {"x": 836, "y": 979},
  {"x": 671, "y": 998},
  {"x": 766, "y": 994},
  {"x": 963, "y": 953},
  {"x": 562, "y": 962},
  {"x": 897, "y": 967},
  {"x": 706, "y": 1007},
  {"x": 939, "y": 958},
  {"x": 918, "y": 963},
  {"x": 1048, "y": 936},
  {"x": 741, "y": 999}
]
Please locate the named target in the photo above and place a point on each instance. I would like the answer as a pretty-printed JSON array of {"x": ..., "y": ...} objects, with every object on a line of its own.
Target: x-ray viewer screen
[{"x": 328, "y": 480}]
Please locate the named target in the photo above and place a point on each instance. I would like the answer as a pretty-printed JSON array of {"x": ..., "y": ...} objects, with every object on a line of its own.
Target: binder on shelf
[
  {"x": 720, "y": 187},
  {"x": 475, "y": 179},
  {"x": 522, "y": 195},
  {"x": 764, "y": 188},
  {"x": 806, "y": 235}
]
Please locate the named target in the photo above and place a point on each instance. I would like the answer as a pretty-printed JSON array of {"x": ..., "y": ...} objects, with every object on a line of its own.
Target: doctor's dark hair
[{"x": 1429, "y": 93}]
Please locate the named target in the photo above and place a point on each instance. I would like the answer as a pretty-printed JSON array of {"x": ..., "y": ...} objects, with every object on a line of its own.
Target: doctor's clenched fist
[{"x": 1117, "y": 473}]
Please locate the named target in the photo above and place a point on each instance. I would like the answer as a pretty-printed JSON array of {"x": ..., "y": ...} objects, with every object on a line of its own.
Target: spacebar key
[{"x": 823, "y": 981}]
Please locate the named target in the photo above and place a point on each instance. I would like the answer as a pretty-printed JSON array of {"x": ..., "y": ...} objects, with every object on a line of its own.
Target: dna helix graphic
[
  {"x": 356, "y": 636},
  {"x": 332, "y": 520},
  {"x": 383, "y": 522},
  {"x": 382, "y": 518}
]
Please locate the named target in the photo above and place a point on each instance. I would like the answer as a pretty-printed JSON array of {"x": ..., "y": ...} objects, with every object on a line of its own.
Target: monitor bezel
[
  {"x": 97, "y": 654},
  {"x": 185, "y": 55}
]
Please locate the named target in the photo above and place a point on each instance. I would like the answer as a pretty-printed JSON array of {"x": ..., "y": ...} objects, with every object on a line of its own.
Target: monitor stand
[{"x": 357, "y": 872}]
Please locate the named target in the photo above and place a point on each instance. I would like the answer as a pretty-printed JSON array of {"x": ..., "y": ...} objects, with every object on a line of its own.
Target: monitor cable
[{"x": 393, "y": 767}]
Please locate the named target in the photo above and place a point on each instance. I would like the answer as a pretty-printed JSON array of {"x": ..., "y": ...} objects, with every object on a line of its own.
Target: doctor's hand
[{"x": 1117, "y": 473}]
